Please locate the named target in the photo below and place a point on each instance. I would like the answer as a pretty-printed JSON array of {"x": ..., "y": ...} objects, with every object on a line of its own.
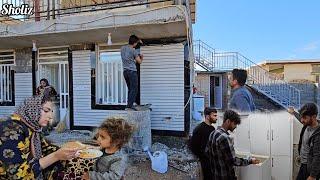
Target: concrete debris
[{"x": 159, "y": 147}]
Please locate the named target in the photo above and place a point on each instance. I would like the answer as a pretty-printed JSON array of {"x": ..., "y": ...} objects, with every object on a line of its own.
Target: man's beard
[{"x": 212, "y": 121}]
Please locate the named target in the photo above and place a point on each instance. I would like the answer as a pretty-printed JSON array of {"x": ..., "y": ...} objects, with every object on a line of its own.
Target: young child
[{"x": 112, "y": 135}]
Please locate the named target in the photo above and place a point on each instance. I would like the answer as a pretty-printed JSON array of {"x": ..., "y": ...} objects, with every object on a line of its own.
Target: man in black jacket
[
  {"x": 309, "y": 143},
  {"x": 200, "y": 138}
]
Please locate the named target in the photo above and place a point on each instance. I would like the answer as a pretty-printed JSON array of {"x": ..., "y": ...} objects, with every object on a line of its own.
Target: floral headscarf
[{"x": 30, "y": 112}]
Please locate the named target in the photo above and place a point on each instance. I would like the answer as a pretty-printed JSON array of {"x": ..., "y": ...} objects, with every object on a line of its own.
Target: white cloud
[
  {"x": 312, "y": 46},
  {"x": 292, "y": 56}
]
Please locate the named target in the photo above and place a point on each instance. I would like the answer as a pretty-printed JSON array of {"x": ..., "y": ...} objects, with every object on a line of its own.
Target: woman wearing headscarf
[
  {"x": 45, "y": 89},
  {"x": 24, "y": 153}
]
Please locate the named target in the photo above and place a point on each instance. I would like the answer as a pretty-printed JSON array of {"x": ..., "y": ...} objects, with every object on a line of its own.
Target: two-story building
[{"x": 66, "y": 42}]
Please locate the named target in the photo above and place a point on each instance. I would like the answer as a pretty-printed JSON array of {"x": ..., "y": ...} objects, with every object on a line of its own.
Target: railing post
[
  {"x": 290, "y": 95},
  {"x": 199, "y": 51},
  {"x": 237, "y": 60},
  {"x": 299, "y": 99},
  {"x": 212, "y": 61},
  {"x": 37, "y": 10}
]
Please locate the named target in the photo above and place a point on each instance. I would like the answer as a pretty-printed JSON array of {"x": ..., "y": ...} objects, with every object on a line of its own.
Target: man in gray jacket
[{"x": 310, "y": 148}]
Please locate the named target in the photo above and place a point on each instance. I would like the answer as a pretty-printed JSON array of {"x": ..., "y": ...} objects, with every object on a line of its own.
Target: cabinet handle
[
  {"x": 248, "y": 134},
  {"x": 271, "y": 162},
  {"x": 268, "y": 135},
  {"x": 272, "y": 135}
]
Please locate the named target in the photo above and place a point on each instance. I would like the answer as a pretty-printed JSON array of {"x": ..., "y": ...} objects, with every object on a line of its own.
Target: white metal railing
[
  {"x": 5, "y": 83},
  {"x": 113, "y": 89},
  {"x": 259, "y": 78}
]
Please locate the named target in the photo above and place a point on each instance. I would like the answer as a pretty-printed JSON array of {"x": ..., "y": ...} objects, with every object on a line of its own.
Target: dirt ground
[
  {"x": 181, "y": 165},
  {"x": 142, "y": 171}
]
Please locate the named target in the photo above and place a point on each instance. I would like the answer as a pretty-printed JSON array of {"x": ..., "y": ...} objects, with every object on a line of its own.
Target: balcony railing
[{"x": 53, "y": 9}]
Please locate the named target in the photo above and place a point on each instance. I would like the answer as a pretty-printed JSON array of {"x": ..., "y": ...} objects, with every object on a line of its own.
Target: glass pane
[
  {"x": 110, "y": 57},
  {"x": 67, "y": 103},
  {"x": 114, "y": 89},
  {"x": 62, "y": 102},
  {"x": 51, "y": 73},
  {"x": 62, "y": 77},
  {"x": 67, "y": 77}
]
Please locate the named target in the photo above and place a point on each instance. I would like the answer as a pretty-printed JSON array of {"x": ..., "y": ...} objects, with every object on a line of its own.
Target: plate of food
[{"x": 90, "y": 153}]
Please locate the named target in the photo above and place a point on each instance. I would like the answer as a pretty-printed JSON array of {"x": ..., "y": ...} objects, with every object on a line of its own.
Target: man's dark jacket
[{"x": 314, "y": 154}]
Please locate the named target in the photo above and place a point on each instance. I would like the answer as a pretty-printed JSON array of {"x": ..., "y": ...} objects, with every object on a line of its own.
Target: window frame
[
  {"x": 11, "y": 72},
  {"x": 95, "y": 73}
]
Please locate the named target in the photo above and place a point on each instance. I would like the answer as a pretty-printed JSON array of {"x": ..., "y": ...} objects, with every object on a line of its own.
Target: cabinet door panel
[
  {"x": 281, "y": 136},
  {"x": 280, "y": 168},
  {"x": 242, "y": 135},
  {"x": 260, "y": 134}
]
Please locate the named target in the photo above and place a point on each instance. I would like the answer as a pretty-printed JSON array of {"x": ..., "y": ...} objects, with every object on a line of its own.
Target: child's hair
[{"x": 118, "y": 129}]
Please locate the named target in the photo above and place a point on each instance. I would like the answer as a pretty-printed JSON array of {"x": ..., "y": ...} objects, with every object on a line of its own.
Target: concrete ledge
[{"x": 162, "y": 22}]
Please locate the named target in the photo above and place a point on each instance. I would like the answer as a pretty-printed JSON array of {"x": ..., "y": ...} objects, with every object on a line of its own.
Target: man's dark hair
[
  {"x": 232, "y": 116},
  {"x": 133, "y": 39},
  {"x": 309, "y": 109},
  {"x": 209, "y": 110},
  {"x": 240, "y": 75}
]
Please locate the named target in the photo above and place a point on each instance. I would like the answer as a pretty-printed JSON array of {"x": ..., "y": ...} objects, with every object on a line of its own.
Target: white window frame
[
  {"x": 116, "y": 93},
  {"x": 7, "y": 61}
]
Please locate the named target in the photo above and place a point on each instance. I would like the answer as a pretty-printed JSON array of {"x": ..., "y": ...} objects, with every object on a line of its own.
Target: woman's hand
[
  {"x": 66, "y": 153},
  {"x": 85, "y": 176},
  {"x": 59, "y": 155}
]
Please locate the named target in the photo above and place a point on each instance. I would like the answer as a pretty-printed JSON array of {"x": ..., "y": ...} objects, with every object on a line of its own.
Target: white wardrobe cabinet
[
  {"x": 270, "y": 135},
  {"x": 242, "y": 135},
  {"x": 281, "y": 135},
  {"x": 260, "y": 134}
]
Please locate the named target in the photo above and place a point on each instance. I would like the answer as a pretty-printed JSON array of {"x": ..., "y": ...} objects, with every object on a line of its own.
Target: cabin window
[
  {"x": 111, "y": 85},
  {"x": 7, "y": 61}
]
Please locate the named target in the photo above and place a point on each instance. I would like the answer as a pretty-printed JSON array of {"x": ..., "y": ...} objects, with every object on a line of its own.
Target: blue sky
[{"x": 261, "y": 30}]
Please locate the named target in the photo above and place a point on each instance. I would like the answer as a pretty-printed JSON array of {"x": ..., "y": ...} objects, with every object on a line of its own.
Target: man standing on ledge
[
  {"x": 241, "y": 99},
  {"x": 129, "y": 58}
]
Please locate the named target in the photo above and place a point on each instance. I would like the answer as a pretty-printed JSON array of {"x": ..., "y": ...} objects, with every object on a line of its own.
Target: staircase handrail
[{"x": 208, "y": 58}]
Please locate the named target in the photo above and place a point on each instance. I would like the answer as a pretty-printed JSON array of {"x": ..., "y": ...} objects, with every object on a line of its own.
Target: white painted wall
[
  {"x": 83, "y": 114},
  {"x": 23, "y": 89},
  {"x": 162, "y": 85},
  {"x": 298, "y": 71}
]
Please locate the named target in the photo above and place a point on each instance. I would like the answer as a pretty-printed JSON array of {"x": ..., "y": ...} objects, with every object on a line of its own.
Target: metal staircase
[{"x": 258, "y": 78}]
